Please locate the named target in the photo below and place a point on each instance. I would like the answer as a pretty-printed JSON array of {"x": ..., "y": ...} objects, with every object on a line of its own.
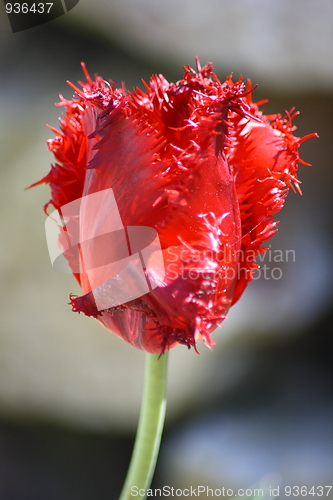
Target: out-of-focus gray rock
[
  {"x": 284, "y": 44},
  {"x": 286, "y": 442}
]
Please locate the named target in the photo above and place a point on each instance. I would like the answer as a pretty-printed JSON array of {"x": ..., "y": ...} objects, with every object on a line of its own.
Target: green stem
[{"x": 150, "y": 427}]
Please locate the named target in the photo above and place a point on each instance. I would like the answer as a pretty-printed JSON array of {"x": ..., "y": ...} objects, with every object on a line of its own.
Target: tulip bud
[{"x": 165, "y": 197}]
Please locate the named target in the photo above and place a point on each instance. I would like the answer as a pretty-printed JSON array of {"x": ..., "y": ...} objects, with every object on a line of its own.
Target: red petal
[
  {"x": 264, "y": 159},
  {"x": 72, "y": 146},
  {"x": 175, "y": 180}
]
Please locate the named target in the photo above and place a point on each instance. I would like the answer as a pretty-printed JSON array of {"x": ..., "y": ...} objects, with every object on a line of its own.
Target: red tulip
[{"x": 193, "y": 171}]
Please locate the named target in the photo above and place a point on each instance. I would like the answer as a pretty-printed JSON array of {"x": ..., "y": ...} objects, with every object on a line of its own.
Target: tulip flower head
[{"x": 166, "y": 196}]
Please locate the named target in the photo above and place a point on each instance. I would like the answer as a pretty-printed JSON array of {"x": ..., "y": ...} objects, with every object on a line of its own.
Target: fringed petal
[{"x": 264, "y": 157}]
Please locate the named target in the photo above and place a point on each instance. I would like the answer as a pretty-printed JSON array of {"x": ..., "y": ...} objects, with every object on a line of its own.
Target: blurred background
[{"x": 258, "y": 409}]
